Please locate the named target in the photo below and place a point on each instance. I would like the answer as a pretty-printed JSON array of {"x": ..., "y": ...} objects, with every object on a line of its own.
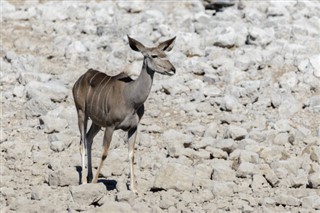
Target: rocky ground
[{"x": 235, "y": 130}]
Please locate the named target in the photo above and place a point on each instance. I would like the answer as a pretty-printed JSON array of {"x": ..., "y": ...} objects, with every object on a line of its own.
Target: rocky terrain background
[{"x": 235, "y": 130}]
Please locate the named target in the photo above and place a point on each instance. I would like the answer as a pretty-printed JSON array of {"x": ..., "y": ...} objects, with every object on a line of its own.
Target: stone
[
  {"x": 18, "y": 91},
  {"x": 315, "y": 63},
  {"x": 211, "y": 130},
  {"x": 269, "y": 174},
  {"x": 246, "y": 169},
  {"x": 260, "y": 36},
  {"x": 311, "y": 201},
  {"x": 56, "y": 91},
  {"x": 39, "y": 106},
  {"x": 176, "y": 142},
  {"x": 282, "y": 125},
  {"x": 174, "y": 176},
  {"x": 54, "y": 12},
  {"x": 217, "y": 153},
  {"x": 222, "y": 171},
  {"x": 236, "y": 132},
  {"x": 223, "y": 188},
  {"x": 132, "y": 7},
  {"x": 298, "y": 179},
  {"x": 53, "y": 124},
  {"x": 40, "y": 192},
  {"x": 259, "y": 184},
  {"x": 64, "y": 177},
  {"x": 287, "y": 200},
  {"x": 211, "y": 91},
  {"x": 229, "y": 103},
  {"x": 3, "y": 136},
  {"x": 86, "y": 194},
  {"x": 226, "y": 37},
  {"x": 289, "y": 80},
  {"x": 125, "y": 196},
  {"x": 57, "y": 146},
  {"x": 243, "y": 62},
  {"x": 75, "y": 47},
  {"x": 227, "y": 145},
  {"x": 314, "y": 103},
  {"x": 196, "y": 129},
  {"x": 281, "y": 138},
  {"x": 289, "y": 106},
  {"x": 314, "y": 180}
]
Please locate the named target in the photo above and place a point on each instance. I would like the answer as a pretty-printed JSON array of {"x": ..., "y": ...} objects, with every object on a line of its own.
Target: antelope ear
[
  {"x": 136, "y": 45},
  {"x": 167, "y": 45}
]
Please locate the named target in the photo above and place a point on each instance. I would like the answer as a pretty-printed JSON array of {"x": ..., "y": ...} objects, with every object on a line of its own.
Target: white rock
[
  {"x": 64, "y": 177},
  {"x": 315, "y": 63},
  {"x": 287, "y": 200},
  {"x": 289, "y": 106},
  {"x": 282, "y": 125},
  {"x": 25, "y": 63},
  {"x": 314, "y": 103},
  {"x": 52, "y": 12},
  {"x": 211, "y": 91},
  {"x": 229, "y": 103},
  {"x": 57, "y": 146},
  {"x": 132, "y": 7},
  {"x": 211, "y": 130},
  {"x": 314, "y": 180},
  {"x": 227, "y": 145},
  {"x": 311, "y": 201},
  {"x": 176, "y": 142},
  {"x": 18, "y": 91},
  {"x": 6, "y": 7},
  {"x": 174, "y": 176},
  {"x": 53, "y": 124},
  {"x": 39, "y": 106},
  {"x": 113, "y": 206},
  {"x": 223, "y": 188},
  {"x": 259, "y": 184},
  {"x": 247, "y": 169},
  {"x": 260, "y": 36},
  {"x": 56, "y": 91},
  {"x": 268, "y": 174},
  {"x": 86, "y": 194},
  {"x": 40, "y": 192},
  {"x": 225, "y": 37},
  {"x": 289, "y": 80},
  {"x": 3, "y": 136},
  {"x": 222, "y": 171},
  {"x": 281, "y": 138},
  {"x": 236, "y": 132},
  {"x": 26, "y": 77}
]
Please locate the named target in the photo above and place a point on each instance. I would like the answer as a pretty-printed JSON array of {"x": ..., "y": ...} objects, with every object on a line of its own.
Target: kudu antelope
[{"x": 116, "y": 102}]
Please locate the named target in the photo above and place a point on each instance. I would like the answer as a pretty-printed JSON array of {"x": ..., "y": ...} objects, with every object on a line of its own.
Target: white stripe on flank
[{"x": 99, "y": 92}]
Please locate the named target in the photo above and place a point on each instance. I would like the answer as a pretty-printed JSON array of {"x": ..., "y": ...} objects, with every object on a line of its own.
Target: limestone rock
[
  {"x": 64, "y": 177},
  {"x": 174, "y": 176},
  {"x": 86, "y": 194}
]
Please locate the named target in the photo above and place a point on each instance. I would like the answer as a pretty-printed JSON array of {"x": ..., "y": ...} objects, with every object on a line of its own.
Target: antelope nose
[{"x": 173, "y": 69}]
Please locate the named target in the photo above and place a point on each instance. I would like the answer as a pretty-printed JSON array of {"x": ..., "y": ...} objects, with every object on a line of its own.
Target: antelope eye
[{"x": 154, "y": 56}]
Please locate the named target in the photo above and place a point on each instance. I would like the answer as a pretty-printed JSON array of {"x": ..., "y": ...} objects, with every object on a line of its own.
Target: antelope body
[{"x": 116, "y": 102}]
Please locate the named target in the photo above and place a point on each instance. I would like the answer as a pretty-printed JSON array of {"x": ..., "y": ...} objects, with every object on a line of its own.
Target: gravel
[{"x": 236, "y": 129}]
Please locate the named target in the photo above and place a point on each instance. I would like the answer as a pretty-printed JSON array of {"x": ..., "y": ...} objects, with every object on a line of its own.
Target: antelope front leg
[
  {"x": 132, "y": 134},
  {"x": 106, "y": 144}
]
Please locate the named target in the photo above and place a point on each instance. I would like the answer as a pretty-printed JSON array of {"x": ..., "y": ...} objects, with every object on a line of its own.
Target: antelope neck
[{"x": 139, "y": 89}]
